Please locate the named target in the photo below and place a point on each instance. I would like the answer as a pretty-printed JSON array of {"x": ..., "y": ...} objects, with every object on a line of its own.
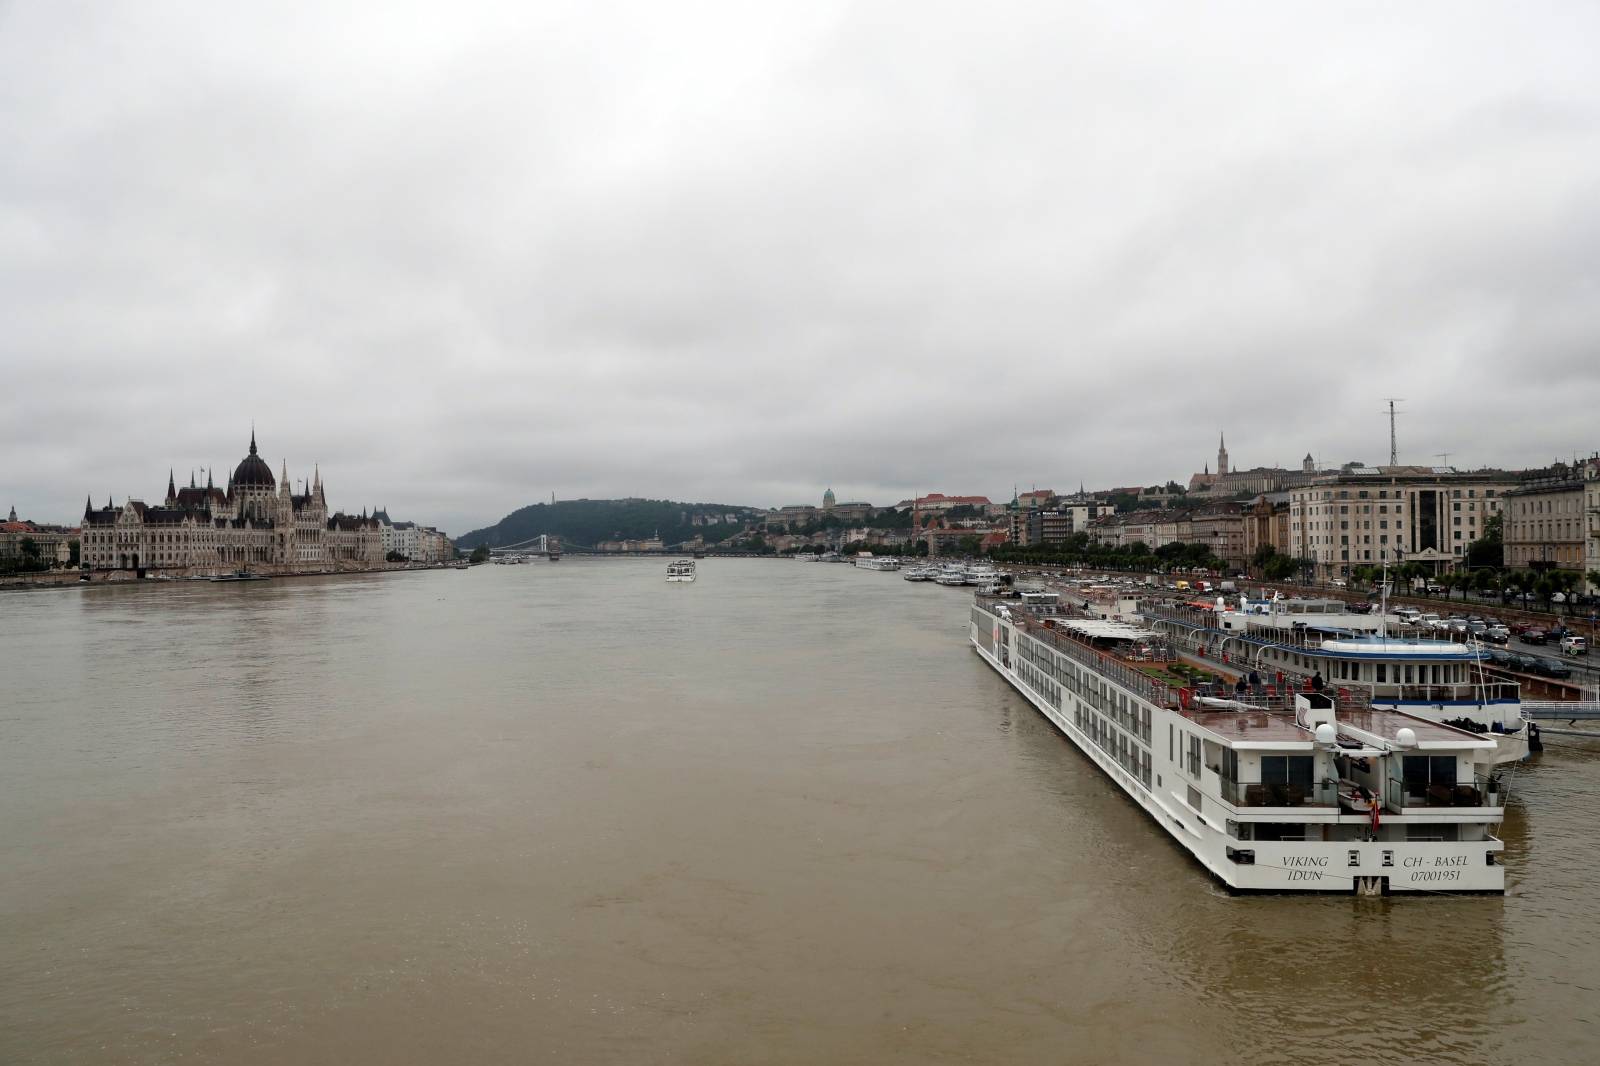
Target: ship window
[
  {"x": 1444, "y": 832},
  {"x": 1383, "y": 671},
  {"x": 1422, "y": 771},
  {"x": 1286, "y": 770},
  {"x": 1280, "y": 831}
]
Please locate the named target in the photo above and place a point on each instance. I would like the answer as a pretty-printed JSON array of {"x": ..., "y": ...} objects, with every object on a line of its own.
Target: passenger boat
[
  {"x": 1287, "y": 642},
  {"x": 868, "y": 561},
  {"x": 919, "y": 573},
  {"x": 682, "y": 570},
  {"x": 241, "y": 575},
  {"x": 951, "y": 576},
  {"x": 1287, "y": 791}
]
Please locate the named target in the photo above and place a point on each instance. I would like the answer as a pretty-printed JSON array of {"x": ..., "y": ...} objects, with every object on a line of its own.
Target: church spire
[
  {"x": 172, "y": 487},
  {"x": 88, "y": 505}
]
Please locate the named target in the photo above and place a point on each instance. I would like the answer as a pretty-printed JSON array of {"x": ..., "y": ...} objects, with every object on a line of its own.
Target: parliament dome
[{"x": 253, "y": 471}]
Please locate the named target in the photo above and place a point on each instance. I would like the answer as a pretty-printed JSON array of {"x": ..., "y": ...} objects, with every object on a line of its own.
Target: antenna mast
[{"x": 1394, "y": 451}]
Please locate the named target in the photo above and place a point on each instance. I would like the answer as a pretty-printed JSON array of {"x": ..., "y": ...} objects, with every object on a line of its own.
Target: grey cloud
[{"x": 465, "y": 257}]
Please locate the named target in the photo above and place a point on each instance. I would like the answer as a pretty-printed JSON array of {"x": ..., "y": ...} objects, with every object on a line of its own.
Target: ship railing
[
  {"x": 1300, "y": 638},
  {"x": 1413, "y": 793},
  {"x": 1269, "y": 697},
  {"x": 1086, "y": 654},
  {"x": 1492, "y": 692},
  {"x": 1279, "y": 793}
]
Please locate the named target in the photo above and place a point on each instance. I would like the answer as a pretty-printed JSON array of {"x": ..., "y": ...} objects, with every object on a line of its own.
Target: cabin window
[
  {"x": 1383, "y": 672},
  {"x": 1422, "y": 771},
  {"x": 1279, "y": 831},
  {"x": 1286, "y": 770},
  {"x": 1449, "y": 832},
  {"x": 1230, "y": 765}
]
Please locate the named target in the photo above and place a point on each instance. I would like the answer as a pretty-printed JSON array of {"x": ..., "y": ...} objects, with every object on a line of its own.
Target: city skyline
[{"x": 471, "y": 259}]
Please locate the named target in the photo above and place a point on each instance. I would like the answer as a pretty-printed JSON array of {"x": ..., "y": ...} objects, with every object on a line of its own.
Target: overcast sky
[{"x": 740, "y": 252}]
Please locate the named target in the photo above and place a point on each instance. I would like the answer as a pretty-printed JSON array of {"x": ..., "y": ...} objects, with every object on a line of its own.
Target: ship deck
[{"x": 1263, "y": 717}]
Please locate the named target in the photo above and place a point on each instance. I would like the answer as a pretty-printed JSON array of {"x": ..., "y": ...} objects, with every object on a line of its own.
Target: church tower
[{"x": 1222, "y": 456}]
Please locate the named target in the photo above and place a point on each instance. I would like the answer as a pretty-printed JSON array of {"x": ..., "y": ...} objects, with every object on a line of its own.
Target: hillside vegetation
[{"x": 588, "y": 522}]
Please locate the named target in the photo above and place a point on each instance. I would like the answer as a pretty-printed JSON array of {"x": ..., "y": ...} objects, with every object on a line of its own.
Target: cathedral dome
[{"x": 253, "y": 470}]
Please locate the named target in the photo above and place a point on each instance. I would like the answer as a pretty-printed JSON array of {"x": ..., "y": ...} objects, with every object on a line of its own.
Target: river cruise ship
[
  {"x": 682, "y": 570},
  {"x": 1304, "y": 791},
  {"x": 868, "y": 561},
  {"x": 1372, "y": 657}
]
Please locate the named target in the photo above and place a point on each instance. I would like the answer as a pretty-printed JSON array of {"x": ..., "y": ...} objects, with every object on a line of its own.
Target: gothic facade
[{"x": 257, "y": 522}]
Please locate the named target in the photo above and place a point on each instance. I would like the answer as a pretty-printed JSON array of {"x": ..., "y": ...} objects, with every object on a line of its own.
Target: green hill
[{"x": 588, "y": 522}]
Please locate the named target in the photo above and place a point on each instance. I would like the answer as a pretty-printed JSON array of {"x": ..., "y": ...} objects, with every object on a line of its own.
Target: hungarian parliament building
[{"x": 256, "y": 523}]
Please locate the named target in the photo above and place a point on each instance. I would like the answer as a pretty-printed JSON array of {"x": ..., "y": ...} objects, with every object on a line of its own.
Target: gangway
[{"x": 1560, "y": 711}]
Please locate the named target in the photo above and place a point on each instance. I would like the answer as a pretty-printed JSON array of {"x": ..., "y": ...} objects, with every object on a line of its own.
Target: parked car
[
  {"x": 1533, "y": 636},
  {"x": 1361, "y": 608},
  {"x": 1497, "y": 635},
  {"x": 1550, "y": 668},
  {"x": 1573, "y": 644},
  {"x": 1556, "y": 632}
]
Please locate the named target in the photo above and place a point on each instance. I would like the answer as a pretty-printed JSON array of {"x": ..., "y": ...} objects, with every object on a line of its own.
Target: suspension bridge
[{"x": 545, "y": 544}]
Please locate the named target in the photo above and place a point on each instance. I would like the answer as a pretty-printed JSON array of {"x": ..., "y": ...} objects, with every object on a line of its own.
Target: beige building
[
  {"x": 1228, "y": 481},
  {"x": 1221, "y": 528},
  {"x": 1266, "y": 523},
  {"x": 1544, "y": 524},
  {"x": 53, "y": 543},
  {"x": 1591, "y": 515},
  {"x": 1366, "y": 515},
  {"x": 258, "y": 522},
  {"x": 1592, "y": 520}
]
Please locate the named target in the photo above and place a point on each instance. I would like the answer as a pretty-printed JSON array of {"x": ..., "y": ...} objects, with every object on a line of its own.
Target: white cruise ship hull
[{"x": 1350, "y": 866}]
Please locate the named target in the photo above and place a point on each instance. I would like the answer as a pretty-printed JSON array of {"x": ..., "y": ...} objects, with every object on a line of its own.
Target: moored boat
[
  {"x": 242, "y": 575},
  {"x": 1301, "y": 791},
  {"x": 1287, "y": 643},
  {"x": 868, "y": 561}
]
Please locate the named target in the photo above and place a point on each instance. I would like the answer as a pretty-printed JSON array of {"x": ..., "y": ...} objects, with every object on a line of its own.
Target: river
[{"x": 571, "y": 813}]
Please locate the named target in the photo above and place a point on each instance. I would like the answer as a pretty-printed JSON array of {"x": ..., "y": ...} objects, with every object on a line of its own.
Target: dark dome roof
[{"x": 253, "y": 471}]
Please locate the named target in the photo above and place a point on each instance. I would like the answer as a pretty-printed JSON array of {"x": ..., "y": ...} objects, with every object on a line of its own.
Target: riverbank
[{"x": 73, "y": 579}]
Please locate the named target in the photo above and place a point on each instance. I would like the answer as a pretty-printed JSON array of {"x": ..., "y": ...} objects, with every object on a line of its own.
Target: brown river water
[{"x": 571, "y": 813}]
